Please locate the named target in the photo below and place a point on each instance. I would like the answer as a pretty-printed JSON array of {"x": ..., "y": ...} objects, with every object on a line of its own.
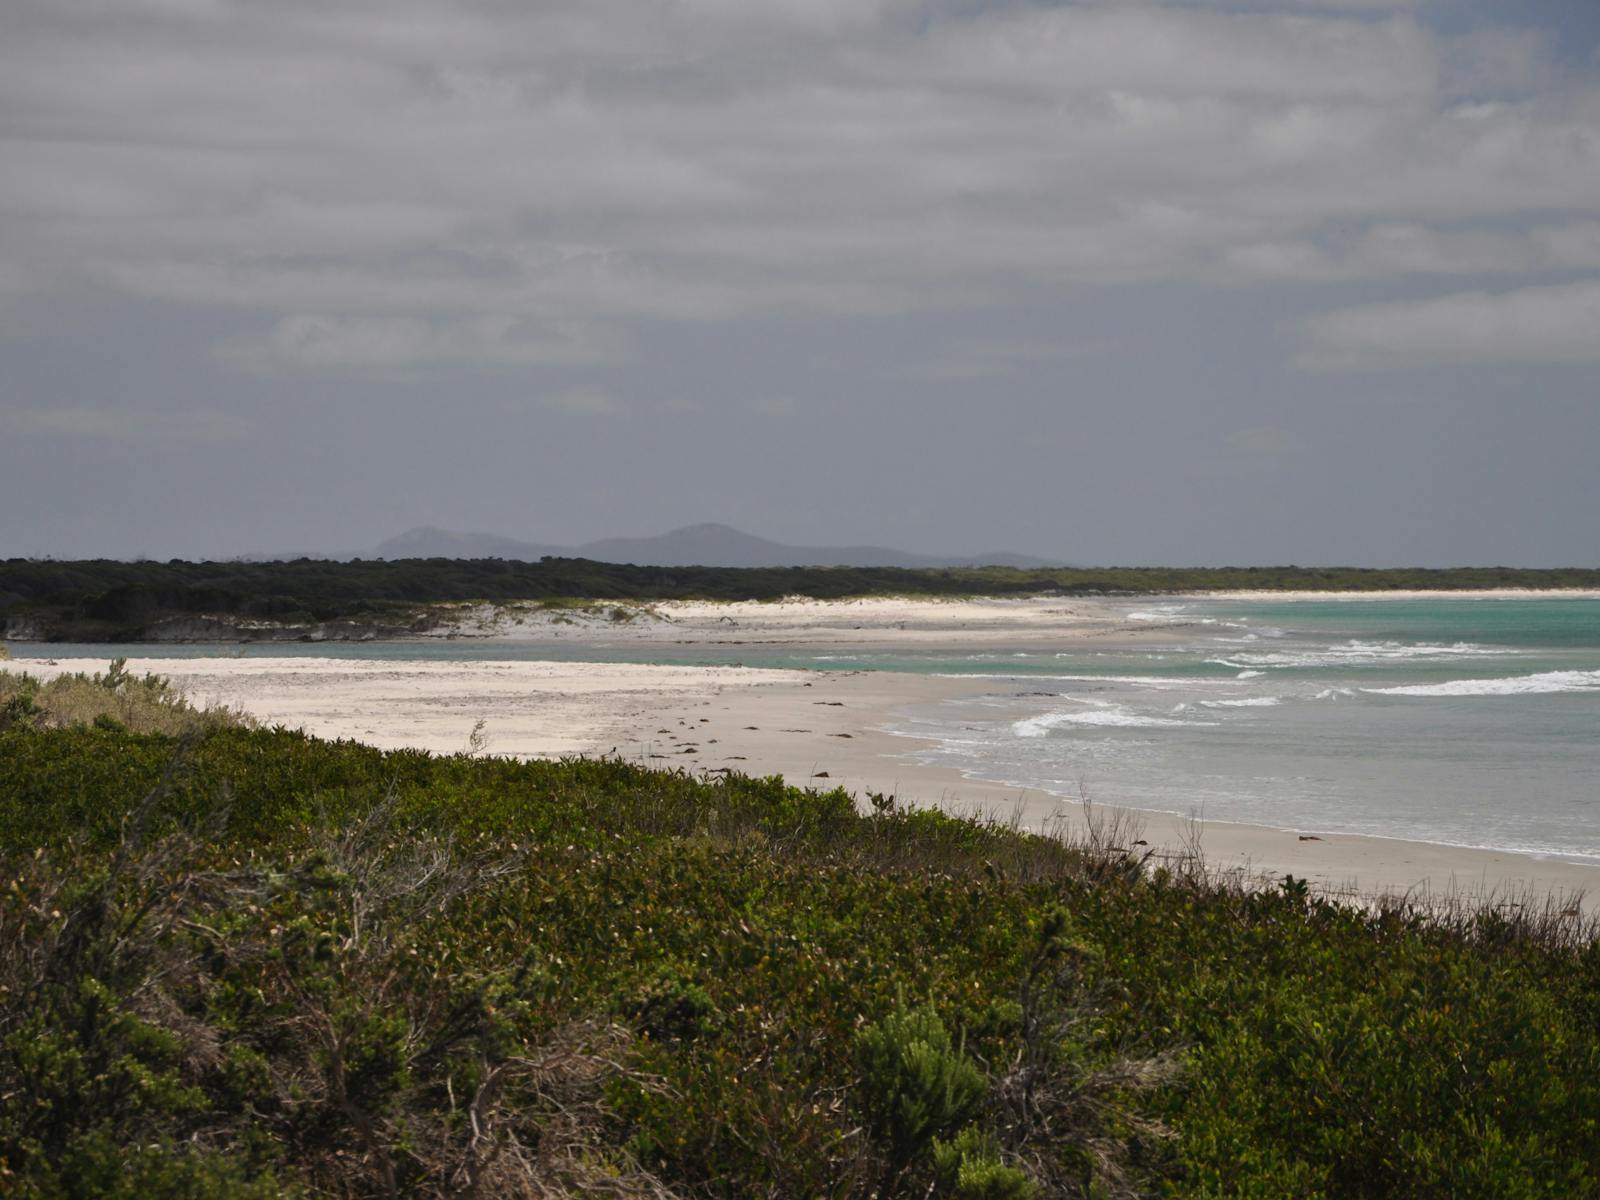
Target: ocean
[
  {"x": 1459, "y": 722},
  {"x": 1466, "y": 722}
]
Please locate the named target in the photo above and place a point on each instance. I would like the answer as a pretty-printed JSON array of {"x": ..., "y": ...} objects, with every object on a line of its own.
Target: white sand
[
  {"x": 529, "y": 709},
  {"x": 800, "y": 620}
]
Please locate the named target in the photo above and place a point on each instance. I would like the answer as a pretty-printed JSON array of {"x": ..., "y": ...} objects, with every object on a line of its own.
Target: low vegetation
[
  {"x": 113, "y": 699},
  {"x": 105, "y": 600},
  {"x": 245, "y": 962}
]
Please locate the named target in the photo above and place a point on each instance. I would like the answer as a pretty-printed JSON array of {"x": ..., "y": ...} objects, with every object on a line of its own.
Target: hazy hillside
[
  {"x": 708, "y": 545},
  {"x": 427, "y": 541}
]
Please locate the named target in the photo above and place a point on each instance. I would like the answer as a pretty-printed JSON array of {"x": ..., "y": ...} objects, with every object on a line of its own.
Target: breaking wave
[
  {"x": 1356, "y": 653},
  {"x": 1544, "y": 683},
  {"x": 1101, "y": 715}
]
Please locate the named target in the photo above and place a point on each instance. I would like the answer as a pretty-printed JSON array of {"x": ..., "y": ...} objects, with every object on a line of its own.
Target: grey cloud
[
  {"x": 1261, "y": 441},
  {"x": 1497, "y": 61},
  {"x": 582, "y": 401},
  {"x": 397, "y": 343},
  {"x": 992, "y": 358},
  {"x": 1069, "y": 49},
  {"x": 1544, "y": 324},
  {"x": 1409, "y": 249},
  {"x": 124, "y": 424},
  {"x": 1304, "y": 6},
  {"x": 442, "y": 184}
]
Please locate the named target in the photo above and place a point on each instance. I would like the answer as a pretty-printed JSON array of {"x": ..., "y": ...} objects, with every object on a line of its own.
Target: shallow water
[{"x": 1462, "y": 722}]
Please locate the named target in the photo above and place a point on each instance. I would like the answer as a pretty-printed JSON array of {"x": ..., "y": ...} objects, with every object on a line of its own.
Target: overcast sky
[{"x": 1124, "y": 281}]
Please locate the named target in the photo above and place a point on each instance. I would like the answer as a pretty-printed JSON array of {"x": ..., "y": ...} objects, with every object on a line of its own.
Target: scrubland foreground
[{"x": 245, "y": 962}]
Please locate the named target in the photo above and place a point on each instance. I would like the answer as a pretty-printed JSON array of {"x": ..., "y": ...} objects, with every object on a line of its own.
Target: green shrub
[
  {"x": 101, "y": 1166},
  {"x": 915, "y": 1083},
  {"x": 969, "y": 1167},
  {"x": 670, "y": 1007},
  {"x": 20, "y": 706},
  {"x": 362, "y": 973}
]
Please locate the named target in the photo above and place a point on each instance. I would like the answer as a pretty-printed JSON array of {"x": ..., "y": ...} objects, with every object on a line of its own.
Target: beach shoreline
[
  {"x": 905, "y": 619},
  {"x": 798, "y": 620},
  {"x": 823, "y": 729},
  {"x": 929, "y": 621},
  {"x": 1267, "y": 596}
]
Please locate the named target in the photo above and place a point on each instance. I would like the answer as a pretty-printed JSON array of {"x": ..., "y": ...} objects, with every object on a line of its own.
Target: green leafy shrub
[{"x": 672, "y": 1007}]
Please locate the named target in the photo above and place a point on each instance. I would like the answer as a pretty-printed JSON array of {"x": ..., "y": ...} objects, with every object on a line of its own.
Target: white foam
[
  {"x": 1250, "y": 702},
  {"x": 1355, "y": 653},
  {"x": 1544, "y": 683},
  {"x": 1149, "y": 681},
  {"x": 1255, "y": 635},
  {"x": 1099, "y": 714},
  {"x": 1166, "y": 612}
]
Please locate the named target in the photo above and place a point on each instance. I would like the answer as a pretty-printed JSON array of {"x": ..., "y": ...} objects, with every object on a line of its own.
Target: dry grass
[{"x": 147, "y": 704}]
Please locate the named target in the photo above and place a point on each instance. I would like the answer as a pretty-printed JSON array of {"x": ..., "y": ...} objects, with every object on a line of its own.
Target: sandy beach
[
  {"x": 800, "y": 620},
  {"x": 817, "y": 728}
]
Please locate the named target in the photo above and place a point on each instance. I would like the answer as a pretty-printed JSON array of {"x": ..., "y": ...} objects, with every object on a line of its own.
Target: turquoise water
[{"x": 1463, "y": 722}]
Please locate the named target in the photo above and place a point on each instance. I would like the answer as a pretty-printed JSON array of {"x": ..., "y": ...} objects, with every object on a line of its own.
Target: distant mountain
[
  {"x": 709, "y": 545},
  {"x": 427, "y": 542}
]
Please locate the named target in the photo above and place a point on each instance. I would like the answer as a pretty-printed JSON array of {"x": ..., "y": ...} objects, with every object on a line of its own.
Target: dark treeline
[{"x": 111, "y": 600}]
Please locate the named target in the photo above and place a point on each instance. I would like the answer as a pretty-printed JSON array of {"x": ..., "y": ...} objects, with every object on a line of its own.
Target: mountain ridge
[{"x": 708, "y": 544}]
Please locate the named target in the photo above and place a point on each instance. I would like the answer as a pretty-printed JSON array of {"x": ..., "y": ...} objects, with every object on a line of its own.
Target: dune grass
[{"x": 114, "y": 698}]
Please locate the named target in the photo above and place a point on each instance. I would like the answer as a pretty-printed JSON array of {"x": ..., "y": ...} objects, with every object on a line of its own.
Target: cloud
[
  {"x": 123, "y": 424},
  {"x": 582, "y": 401},
  {"x": 1261, "y": 442},
  {"x": 990, "y": 358},
  {"x": 397, "y": 343},
  {"x": 1395, "y": 249},
  {"x": 1545, "y": 324},
  {"x": 388, "y": 185},
  {"x": 1497, "y": 61},
  {"x": 1303, "y": 5},
  {"x": 779, "y": 407}
]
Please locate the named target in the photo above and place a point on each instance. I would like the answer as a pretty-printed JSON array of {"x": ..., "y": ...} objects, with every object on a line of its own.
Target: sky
[{"x": 1113, "y": 281}]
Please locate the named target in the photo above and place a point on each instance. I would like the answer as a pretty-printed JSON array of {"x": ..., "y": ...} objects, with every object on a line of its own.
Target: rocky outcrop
[{"x": 22, "y": 629}]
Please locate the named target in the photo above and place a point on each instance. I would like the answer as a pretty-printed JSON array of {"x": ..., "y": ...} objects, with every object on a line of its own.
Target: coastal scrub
[{"x": 249, "y": 962}]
